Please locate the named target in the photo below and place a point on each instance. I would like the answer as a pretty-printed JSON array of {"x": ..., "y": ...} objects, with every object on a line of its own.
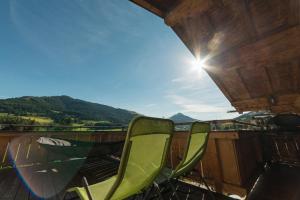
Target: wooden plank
[
  {"x": 256, "y": 89},
  {"x": 236, "y": 91},
  {"x": 210, "y": 166},
  {"x": 283, "y": 103},
  {"x": 4, "y": 151},
  {"x": 296, "y": 75},
  {"x": 271, "y": 49},
  {"x": 149, "y": 7},
  {"x": 224, "y": 135},
  {"x": 4, "y": 177},
  {"x": 248, "y": 159},
  {"x": 220, "y": 84},
  {"x": 22, "y": 193},
  {"x": 280, "y": 78},
  {"x": 270, "y": 15},
  {"x": 228, "y": 159},
  {"x": 188, "y": 9},
  {"x": 9, "y": 189}
]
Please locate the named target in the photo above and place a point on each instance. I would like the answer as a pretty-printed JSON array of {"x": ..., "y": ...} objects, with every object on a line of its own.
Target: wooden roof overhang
[{"x": 251, "y": 47}]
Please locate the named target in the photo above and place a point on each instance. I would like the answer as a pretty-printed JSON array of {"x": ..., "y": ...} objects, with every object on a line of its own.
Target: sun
[
  {"x": 198, "y": 63},
  {"x": 197, "y": 67}
]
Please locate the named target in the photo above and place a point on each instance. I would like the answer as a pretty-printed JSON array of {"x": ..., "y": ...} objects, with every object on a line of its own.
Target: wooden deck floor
[
  {"x": 53, "y": 179},
  {"x": 278, "y": 183}
]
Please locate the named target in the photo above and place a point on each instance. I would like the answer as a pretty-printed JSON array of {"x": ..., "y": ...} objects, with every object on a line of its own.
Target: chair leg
[{"x": 206, "y": 185}]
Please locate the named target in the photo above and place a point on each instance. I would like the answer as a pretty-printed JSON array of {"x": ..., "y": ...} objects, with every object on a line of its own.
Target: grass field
[
  {"x": 79, "y": 126},
  {"x": 40, "y": 120}
]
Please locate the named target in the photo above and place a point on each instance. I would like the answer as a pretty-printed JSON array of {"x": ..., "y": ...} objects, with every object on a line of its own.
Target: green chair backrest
[
  {"x": 195, "y": 148},
  {"x": 144, "y": 155}
]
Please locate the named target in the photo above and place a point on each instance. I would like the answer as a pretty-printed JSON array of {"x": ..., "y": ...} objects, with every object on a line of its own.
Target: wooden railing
[
  {"x": 216, "y": 125},
  {"x": 230, "y": 164},
  {"x": 284, "y": 148},
  {"x": 23, "y": 148},
  {"x": 59, "y": 128}
]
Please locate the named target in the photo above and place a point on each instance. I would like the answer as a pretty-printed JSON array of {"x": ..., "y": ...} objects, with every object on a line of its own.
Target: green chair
[
  {"x": 194, "y": 152},
  {"x": 144, "y": 156}
]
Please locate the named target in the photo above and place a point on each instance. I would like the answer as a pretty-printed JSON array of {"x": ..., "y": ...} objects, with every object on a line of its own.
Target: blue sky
[{"x": 105, "y": 51}]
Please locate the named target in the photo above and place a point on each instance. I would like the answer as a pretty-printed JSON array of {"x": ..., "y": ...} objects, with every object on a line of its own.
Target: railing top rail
[
  {"x": 221, "y": 121},
  {"x": 85, "y": 128},
  {"x": 61, "y": 126}
]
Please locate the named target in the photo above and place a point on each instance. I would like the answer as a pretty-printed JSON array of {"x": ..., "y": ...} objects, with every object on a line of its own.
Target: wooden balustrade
[
  {"x": 22, "y": 148},
  {"x": 230, "y": 163},
  {"x": 284, "y": 148}
]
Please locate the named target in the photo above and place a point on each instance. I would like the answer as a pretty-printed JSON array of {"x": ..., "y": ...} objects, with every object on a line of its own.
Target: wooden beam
[
  {"x": 296, "y": 75},
  {"x": 284, "y": 103},
  {"x": 148, "y": 7},
  {"x": 259, "y": 103},
  {"x": 219, "y": 84},
  {"x": 294, "y": 16},
  {"x": 187, "y": 9}
]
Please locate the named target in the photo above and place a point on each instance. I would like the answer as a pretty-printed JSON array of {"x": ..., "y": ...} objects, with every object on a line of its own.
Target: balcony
[{"x": 233, "y": 164}]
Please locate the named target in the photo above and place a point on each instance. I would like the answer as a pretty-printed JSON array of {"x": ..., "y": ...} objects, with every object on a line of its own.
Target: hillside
[
  {"x": 64, "y": 108},
  {"x": 181, "y": 118}
]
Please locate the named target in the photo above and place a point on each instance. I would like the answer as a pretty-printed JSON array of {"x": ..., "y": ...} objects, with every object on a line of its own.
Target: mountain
[
  {"x": 248, "y": 117},
  {"x": 61, "y": 107},
  {"x": 181, "y": 118}
]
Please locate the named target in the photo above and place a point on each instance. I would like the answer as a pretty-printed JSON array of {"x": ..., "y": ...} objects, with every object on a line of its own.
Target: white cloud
[
  {"x": 150, "y": 105},
  {"x": 191, "y": 106}
]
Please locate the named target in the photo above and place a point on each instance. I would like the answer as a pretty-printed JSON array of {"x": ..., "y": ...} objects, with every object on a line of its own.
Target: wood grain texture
[{"x": 231, "y": 162}]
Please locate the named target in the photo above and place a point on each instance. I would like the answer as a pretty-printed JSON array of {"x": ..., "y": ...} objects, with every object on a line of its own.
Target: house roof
[{"x": 251, "y": 48}]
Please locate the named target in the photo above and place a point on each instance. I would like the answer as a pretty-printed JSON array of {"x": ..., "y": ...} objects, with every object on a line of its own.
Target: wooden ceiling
[{"x": 251, "y": 47}]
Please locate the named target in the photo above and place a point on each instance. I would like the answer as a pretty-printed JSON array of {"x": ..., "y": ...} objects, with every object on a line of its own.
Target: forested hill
[{"x": 59, "y": 108}]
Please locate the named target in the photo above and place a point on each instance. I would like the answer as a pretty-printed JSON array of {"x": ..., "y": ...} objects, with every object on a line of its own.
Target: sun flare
[
  {"x": 198, "y": 63},
  {"x": 197, "y": 67}
]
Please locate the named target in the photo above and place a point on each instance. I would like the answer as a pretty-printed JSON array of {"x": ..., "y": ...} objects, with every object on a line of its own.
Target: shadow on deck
[
  {"x": 277, "y": 183},
  {"x": 53, "y": 179}
]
